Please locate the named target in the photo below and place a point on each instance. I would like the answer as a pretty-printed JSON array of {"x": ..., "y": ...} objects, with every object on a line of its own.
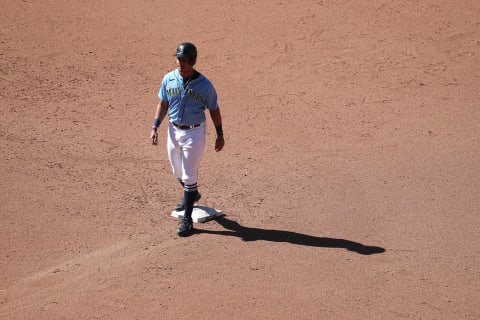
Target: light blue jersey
[{"x": 187, "y": 105}]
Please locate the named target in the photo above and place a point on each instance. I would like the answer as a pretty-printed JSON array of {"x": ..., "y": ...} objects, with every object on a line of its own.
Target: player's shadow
[{"x": 254, "y": 234}]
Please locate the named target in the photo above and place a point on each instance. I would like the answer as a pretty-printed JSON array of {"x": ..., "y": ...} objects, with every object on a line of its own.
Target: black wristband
[
  {"x": 219, "y": 130},
  {"x": 156, "y": 124}
]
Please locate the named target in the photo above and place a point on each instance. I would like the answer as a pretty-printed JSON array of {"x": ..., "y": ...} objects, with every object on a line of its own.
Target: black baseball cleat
[
  {"x": 185, "y": 228},
  {"x": 181, "y": 206}
]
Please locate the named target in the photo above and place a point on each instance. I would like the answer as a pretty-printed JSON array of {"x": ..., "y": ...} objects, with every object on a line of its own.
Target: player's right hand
[{"x": 154, "y": 137}]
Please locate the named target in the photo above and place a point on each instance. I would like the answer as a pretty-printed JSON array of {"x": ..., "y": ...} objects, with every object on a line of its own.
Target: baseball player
[{"x": 184, "y": 95}]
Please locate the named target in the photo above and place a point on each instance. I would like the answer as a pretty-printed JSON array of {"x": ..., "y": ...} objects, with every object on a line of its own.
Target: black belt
[{"x": 184, "y": 127}]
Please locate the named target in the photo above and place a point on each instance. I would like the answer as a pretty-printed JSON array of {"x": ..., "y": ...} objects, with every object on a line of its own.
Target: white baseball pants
[{"x": 185, "y": 150}]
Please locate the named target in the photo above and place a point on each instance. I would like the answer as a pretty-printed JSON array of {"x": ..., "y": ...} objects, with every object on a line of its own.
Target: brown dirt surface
[{"x": 350, "y": 178}]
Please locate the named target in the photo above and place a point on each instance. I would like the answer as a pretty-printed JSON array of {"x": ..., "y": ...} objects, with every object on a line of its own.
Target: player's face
[{"x": 184, "y": 67}]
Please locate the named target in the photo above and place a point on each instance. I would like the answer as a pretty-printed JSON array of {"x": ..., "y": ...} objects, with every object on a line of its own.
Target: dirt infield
[{"x": 350, "y": 178}]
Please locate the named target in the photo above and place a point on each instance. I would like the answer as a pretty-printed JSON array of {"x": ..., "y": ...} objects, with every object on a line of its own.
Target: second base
[{"x": 200, "y": 214}]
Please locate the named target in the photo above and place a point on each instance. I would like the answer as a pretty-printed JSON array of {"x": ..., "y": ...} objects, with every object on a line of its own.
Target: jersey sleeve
[
  {"x": 162, "y": 93},
  {"x": 211, "y": 98}
]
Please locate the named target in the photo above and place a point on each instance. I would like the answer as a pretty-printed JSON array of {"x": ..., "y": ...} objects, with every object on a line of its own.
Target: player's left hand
[{"x": 219, "y": 143}]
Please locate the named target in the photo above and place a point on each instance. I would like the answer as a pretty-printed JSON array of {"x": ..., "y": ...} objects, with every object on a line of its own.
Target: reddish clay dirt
[{"x": 350, "y": 177}]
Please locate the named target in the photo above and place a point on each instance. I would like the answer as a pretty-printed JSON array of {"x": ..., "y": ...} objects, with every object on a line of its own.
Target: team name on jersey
[
  {"x": 173, "y": 91},
  {"x": 195, "y": 96},
  {"x": 190, "y": 92}
]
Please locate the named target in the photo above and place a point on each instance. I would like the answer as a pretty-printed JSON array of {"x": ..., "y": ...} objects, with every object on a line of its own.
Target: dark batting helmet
[{"x": 188, "y": 51}]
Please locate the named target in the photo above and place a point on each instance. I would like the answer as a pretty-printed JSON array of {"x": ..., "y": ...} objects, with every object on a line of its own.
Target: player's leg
[
  {"x": 185, "y": 227},
  {"x": 174, "y": 151},
  {"x": 192, "y": 146},
  {"x": 180, "y": 206},
  {"x": 175, "y": 156}
]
